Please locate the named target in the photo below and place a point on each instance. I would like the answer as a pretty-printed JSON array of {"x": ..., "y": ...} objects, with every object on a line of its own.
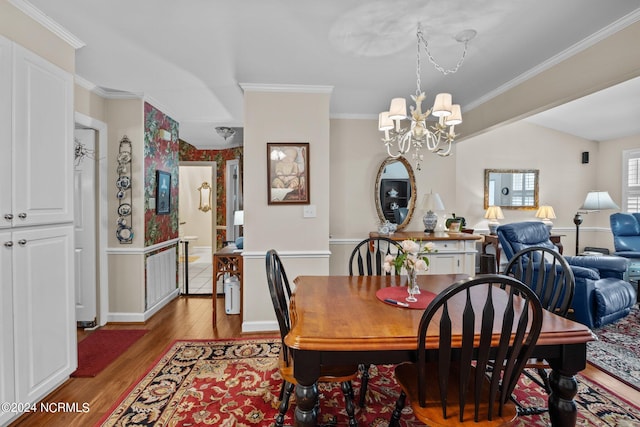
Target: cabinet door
[
  {"x": 7, "y": 379},
  {"x": 445, "y": 264},
  {"x": 43, "y": 141},
  {"x": 45, "y": 333},
  {"x": 5, "y": 130}
]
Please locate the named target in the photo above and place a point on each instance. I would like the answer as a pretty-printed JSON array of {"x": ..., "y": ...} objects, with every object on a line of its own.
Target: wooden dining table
[{"x": 339, "y": 320}]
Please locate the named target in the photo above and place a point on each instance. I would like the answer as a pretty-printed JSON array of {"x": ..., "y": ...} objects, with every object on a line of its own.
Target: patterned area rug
[
  {"x": 617, "y": 351},
  {"x": 236, "y": 383}
]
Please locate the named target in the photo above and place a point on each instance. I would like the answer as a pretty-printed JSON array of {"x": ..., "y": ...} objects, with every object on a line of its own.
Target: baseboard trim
[
  {"x": 260, "y": 326},
  {"x": 142, "y": 317}
]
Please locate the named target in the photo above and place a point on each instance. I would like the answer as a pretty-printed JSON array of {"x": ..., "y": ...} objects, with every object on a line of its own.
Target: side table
[{"x": 227, "y": 260}]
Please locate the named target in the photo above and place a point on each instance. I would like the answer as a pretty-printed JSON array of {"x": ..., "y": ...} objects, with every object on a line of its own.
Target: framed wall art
[
  {"x": 288, "y": 173},
  {"x": 163, "y": 192}
]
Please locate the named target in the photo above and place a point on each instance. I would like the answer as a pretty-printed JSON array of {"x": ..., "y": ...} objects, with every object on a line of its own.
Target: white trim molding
[
  {"x": 37, "y": 15},
  {"x": 287, "y": 254}
]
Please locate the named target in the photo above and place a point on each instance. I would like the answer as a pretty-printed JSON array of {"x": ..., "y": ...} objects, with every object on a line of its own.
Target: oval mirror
[{"x": 395, "y": 191}]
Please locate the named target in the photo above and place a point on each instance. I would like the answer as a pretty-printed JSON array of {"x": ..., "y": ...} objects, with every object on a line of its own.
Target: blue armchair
[
  {"x": 601, "y": 294},
  {"x": 626, "y": 240}
]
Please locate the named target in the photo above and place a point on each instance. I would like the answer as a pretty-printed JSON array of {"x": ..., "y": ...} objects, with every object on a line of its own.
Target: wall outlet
[{"x": 309, "y": 211}]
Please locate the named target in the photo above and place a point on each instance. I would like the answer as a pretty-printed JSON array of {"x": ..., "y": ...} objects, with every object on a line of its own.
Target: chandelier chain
[{"x": 433, "y": 60}]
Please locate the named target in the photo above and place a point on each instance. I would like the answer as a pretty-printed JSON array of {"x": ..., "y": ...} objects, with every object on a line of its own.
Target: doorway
[
  {"x": 90, "y": 220},
  {"x": 197, "y": 220}
]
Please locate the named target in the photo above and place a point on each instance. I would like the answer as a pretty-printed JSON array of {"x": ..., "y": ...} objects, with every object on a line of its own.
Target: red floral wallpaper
[
  {"x": 189, "y": 153},
  {"x": 160, "y": 154}
]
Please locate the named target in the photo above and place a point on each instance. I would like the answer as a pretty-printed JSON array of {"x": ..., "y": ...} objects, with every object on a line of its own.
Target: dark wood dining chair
[
  {"x": 456, "y": 385},
  {"x": 367, "y": 259},
  {"x": 551, "y": 278},
  {"x": 280, "y": 291}
]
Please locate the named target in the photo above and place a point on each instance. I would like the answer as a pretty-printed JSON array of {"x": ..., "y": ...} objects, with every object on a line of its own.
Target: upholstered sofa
[
  {"x": 626, "y": 240},
  {"x": 601, "y": 295}
]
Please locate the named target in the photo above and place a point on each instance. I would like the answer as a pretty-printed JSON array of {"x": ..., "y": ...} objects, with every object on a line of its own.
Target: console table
[
  {"x": 492, "y": 239},
  {"x": 227, "y": 260},
  {"x": 455, "y": 253}
]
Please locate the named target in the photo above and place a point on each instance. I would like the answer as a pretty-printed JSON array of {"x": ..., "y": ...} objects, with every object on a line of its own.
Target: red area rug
[
  {"x": 102, "y": 347},
  {"x": 237, "y": 383}
]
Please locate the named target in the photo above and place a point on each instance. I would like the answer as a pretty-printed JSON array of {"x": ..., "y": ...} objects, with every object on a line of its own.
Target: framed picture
[
  {"x": 163, "y": 192},
  {"x": 288, "y": 173}
]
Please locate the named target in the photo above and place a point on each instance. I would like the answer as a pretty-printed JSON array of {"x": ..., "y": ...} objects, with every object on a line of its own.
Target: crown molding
[
  {"x": 584, "y": 44},
  {"x": 37, "y": 15}
]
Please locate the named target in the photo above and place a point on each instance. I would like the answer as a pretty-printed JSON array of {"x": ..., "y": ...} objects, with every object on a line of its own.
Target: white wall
[{"x": 284, "y": 115}]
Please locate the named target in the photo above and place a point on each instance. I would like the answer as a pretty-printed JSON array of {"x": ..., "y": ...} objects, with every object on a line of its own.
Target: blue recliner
[
  {"x": 626, "y": 240},
  {"x": 601, "y": 294}
]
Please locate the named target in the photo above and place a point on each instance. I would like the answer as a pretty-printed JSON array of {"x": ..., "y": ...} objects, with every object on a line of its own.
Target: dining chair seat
[{"x": 432, "y": 411}]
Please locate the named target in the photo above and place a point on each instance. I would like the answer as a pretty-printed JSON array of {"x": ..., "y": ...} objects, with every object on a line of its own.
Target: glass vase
[{"x": 412, "y": 285}]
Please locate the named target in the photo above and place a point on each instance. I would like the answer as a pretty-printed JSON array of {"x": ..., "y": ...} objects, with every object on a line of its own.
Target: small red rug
[{"x": 102, "y": 347}]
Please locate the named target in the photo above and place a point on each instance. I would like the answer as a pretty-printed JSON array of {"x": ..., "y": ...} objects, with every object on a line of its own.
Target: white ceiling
[{"x": 190, "y": 57}]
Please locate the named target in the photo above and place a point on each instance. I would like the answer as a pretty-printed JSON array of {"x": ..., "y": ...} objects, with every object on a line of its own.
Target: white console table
[{"x": 455, "y": 253}]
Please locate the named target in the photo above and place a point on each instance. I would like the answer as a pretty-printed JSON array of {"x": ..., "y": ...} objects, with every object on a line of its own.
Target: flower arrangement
[{"x": 408, "y": 257}]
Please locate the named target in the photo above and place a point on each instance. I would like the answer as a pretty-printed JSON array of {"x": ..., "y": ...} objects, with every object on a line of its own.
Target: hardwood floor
[{"x": 184, "y": 318}]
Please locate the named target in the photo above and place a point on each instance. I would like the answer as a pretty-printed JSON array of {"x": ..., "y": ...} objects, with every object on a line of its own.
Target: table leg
[
  {"x": 564, "y": 387},
  {"x": 562, "y": 408},
  {"x": 306, "y": 369}
]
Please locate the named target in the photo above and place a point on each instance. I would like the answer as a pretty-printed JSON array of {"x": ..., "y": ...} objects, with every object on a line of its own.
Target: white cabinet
[
  {"x": 44, "y": 310},
  {"x": 453, "y": 257},
  {"x": 37, "y": 153},
  {"x": 7, "y": 377},
  {"x": 38, "y": 347}
]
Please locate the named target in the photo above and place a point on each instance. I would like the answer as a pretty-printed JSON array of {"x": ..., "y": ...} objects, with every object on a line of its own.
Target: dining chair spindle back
[
  {"x": 280, "y": 291},
  {"x": 457, "y": 385}
]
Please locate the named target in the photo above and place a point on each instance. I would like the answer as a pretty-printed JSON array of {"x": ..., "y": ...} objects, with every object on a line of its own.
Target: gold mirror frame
[
  {"x": 410, "y": 200},
  {"x": 505, "y": 191},
  {"x": 205, "y": 197}
]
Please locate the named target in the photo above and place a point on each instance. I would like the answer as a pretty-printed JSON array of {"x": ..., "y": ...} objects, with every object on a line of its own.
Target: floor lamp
[{"x": 595, "y": 201}]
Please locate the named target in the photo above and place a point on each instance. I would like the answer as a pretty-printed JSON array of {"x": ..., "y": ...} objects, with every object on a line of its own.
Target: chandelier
[
  {"x": 437, "y": 137},
  {"x": 225, "y": 132}
]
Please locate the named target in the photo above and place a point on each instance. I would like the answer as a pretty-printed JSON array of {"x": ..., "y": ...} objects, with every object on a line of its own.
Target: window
[{"x": 631, "y": 181}]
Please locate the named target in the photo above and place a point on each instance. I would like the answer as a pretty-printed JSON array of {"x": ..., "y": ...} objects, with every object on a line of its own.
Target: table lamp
[
  {"x": 431, "y": 202},
  {"x": 493, "y": 214},
  {"x": 546, "y": 213},
  {"x": 595, "y": 201}
]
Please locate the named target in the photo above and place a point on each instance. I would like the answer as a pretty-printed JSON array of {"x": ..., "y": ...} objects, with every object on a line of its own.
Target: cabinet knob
[
  {"x": 22, "y": 215},
  {"x": 8, "y": 244},
  {"x": 22, "y": 242},
  {"x": 8, "y": 217}
]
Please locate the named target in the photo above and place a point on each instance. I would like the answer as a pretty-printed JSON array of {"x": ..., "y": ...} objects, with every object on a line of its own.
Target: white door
[
  {"x": 7, "y": 378},
  {"x": 85, "y": 229}
]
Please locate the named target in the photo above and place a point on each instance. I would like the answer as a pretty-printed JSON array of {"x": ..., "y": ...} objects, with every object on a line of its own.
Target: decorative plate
[
  {"x": 122, "y": 221},
  {"x": 124, "y": 234},
  {"x": 124, "y": 209},
  {"x": 120, "y": 194},
  {"x": 123, "y": 183},
  {"x": 124, "y": 157}
]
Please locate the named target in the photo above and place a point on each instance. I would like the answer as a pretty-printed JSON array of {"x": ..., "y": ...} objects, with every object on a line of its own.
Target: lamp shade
[
  {"x": 432, "y": 202},
  {"x": 494, "y": 212},
  {"x": 238, "y": 218},
  {"x": 545, "y": 212},
  {"x": 456, "y": 116},
  {"x": 598, "y": 200},
  {"x": 442, "y": 105},
  {"x": 384, "y": 122},
  {"x": 398, "y": 109}
]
